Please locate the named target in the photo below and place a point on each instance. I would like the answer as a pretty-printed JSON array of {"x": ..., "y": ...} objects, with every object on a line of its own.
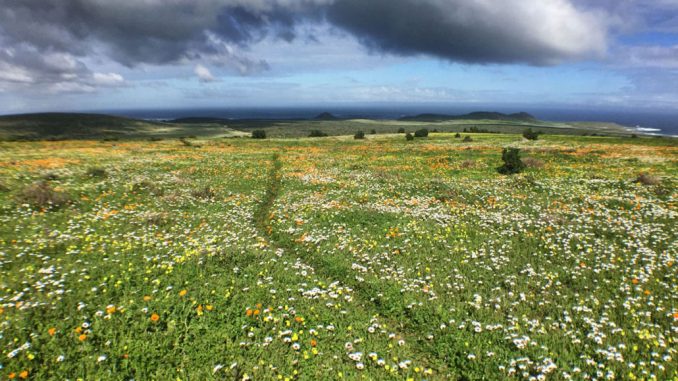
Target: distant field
[
  {"x": 334, "y": 258},
  {"x": 55, "y": 126}
]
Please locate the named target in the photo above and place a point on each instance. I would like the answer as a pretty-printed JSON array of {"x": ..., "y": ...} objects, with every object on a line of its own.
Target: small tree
[
  {"x": 421, "y": 133},
  {"x": 457, "y": 135},
  {"x": 512, "y": 162},
  {"x": 409, "y": 137},
  {"x": 359, "y": 135},
  {"x": 258, "y": 134},
  {"x": 530, "y": 135},
  {"x": 401, "y": 130},
  {"x": 317, "y": 134},
  {"x": 373, "y": 132},
  {"x": 468, "y": 139}
]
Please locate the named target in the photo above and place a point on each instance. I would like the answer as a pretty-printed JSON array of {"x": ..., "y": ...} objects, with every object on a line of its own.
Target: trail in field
[{"x": 366, "y": 293}]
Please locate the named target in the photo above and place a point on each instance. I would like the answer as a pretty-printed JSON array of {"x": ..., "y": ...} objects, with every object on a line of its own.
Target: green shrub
[
  {"x": 422, "y": 133},
  {"x": 409, "y": 137},
  {"x": 317, "y": 134},
  {"x": 512, "y": 162},
  {"x": 468, "y": 139},
  {"x": 41, "y": 195},
  {"x": 457, "y": 135},
  {"x": 258, "y": 134},
  {"x": 530, "y": 135},
  {"x": 401, "y": 130},
  {"x": 373, "y": 132},
  {"x": 96, "y": 172},
  {"x": 359, "y": 135}
]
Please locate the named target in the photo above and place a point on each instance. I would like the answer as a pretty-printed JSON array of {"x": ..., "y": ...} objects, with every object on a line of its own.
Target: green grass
[{"x": 331, "y": 258}]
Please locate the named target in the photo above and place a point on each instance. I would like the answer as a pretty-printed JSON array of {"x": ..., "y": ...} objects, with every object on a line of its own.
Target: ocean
[{"x": 657, "y": 122}]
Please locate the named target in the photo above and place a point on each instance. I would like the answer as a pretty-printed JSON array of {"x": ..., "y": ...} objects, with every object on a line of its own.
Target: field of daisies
[{"x": 335, "y": 258}]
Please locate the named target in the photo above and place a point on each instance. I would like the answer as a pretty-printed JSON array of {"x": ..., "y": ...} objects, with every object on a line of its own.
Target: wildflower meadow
[{"x": 339, "y": 258}]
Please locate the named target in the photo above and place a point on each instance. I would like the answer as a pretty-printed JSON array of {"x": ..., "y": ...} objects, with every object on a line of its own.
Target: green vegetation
[
  {"x": 336, "y": 258},
  {"x": 258, "y": 134},
  {"x": 512, "y": 163},
  {"x": 359, "y": 135},
  {"x": 421, "y": 133}
]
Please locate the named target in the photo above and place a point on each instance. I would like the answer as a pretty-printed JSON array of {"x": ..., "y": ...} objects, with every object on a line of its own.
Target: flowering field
[{"x": 339, "y": 259}]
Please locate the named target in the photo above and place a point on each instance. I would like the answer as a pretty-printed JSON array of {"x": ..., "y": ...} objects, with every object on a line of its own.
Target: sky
[{"x": 78, "y": 55}]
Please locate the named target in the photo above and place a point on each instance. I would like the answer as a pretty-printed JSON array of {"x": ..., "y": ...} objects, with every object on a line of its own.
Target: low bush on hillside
[
  {"x": 422, "y": 133},
  {"x": 359, "y": 135},
  {"x": 401, "y": 130},
  {"x": 512, "y": 162},
  {"x": 468, "y": 139},
  {"x": 317, "y": 134},
  {"x": 96, "y": 172},
  {"x": 42, "y": 195},
  {"x": 530, "y": 135},
  {"x": 409, "y": 137},
  {"x": 648, "y": 179},
  {"x": 258, "y": 134}
]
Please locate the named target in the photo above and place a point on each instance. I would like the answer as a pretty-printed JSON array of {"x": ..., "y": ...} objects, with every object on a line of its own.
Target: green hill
[{"x": 43, "y": 126}]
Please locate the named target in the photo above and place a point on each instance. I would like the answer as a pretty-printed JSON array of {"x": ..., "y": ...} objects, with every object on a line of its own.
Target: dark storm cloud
[
  {"x": 158, "y": 32},
  {"x": 476, "y": 31}
]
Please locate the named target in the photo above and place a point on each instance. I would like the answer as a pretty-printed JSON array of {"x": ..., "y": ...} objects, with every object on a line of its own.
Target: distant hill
[
  {"x": 479, "y": 115},
  {"x": 326, "y": 116},
  {"x": 44, "y": 126}
]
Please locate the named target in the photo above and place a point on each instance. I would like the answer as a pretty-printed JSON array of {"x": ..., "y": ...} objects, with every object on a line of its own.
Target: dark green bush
[
  {"x": 422, "y": 133},
  {"x": 401, "y": 130},
  {"x": 317, "y": 134},
  {"x": 373, "y": 132},
  {"x": 96, "y": 172},
  {"x": 359, "y": 135},
  {"x": 468, "y": 139},
  {"x": 512, "y": 162},
  {"x": 457, "y": 135},
  {"x": 409, "y": 137},
  {"x": 530, "y": 135},
  {"x": 258, "y": 134}
]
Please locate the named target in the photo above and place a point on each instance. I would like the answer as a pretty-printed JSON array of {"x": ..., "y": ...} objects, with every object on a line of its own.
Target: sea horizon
[{"x": 644, "y": 121}]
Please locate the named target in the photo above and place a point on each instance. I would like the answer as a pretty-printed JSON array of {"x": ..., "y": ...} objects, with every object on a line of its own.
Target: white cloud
[{"x": 204, "y": 74}]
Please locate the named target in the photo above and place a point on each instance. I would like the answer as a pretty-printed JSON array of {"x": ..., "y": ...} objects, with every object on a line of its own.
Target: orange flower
[
  {"x": 82, "y": 337},
  {"x": 147, "y": 298},
  {"x": 155, "y": 317},
  {"x": 78, "y": 330},
  {"x": 23, "y": 375},
  {"x": 635, "y": 281},
  {"x": 11, "y": 375},
  {"x": 110, "y": 310},
  {"x": 582, "y": 264},
  {"x": 647, "y": 292},
  {"x": 248, "y": 312},
  {"x": 299, "y": 319},
  {"x": 314, "y": 343},
  {"x": 256, "y": 312},
  {"x": 675, "y": 315},
  {"x": 183, "y": 292},
  {"x": 51, "y": 331}
]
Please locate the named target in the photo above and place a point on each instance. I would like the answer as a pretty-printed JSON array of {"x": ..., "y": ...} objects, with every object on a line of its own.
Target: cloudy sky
[{"x": 102, "y": 54}]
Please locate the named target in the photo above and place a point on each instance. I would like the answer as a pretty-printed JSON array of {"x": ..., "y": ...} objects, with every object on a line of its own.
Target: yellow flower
[
  {"x": 82, "y": 337},
  {"x": 183, "y": 292},
  {"x": 155, "y": 317},
  {"x": 51, "y": 331}
]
